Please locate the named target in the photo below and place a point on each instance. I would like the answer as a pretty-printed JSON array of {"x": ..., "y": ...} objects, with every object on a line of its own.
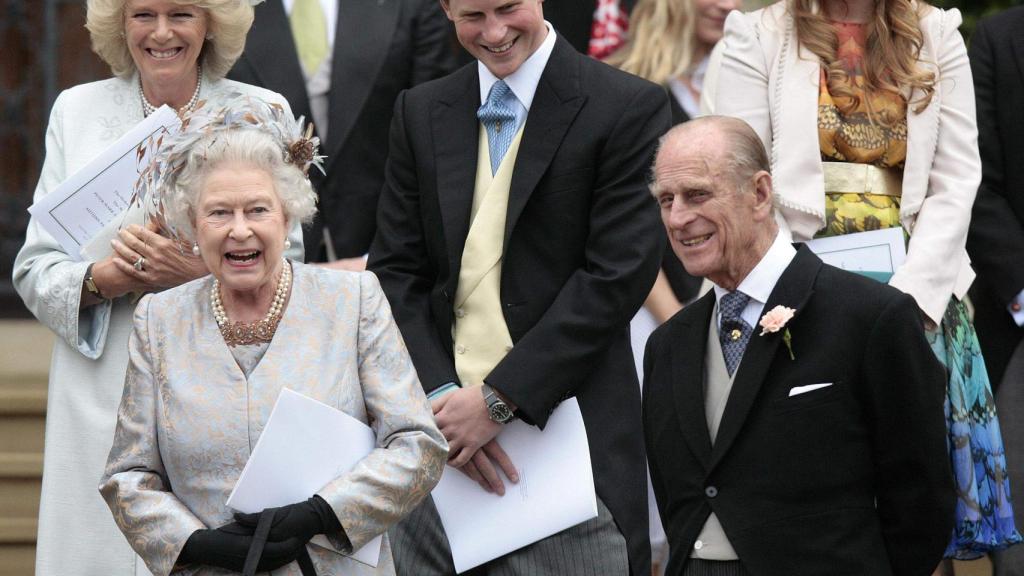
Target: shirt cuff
[
  {"x": 442, "y": 390},
  {"x": 1016, "y": 308}
]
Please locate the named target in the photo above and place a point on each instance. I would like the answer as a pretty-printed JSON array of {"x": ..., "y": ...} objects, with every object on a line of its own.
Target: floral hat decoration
[{"x": 233, "y": 111}]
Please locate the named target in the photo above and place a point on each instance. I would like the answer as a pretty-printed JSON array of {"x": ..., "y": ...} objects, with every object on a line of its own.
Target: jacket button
[
  {"x": 460, "y": 313},
  {"x": 711, "y": 491}
]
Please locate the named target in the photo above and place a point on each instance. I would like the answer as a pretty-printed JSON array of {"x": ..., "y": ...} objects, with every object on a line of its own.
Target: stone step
[
  {"x": 17, "y": 559},
  {"x": 25, "y": 350},
  {"x": 21, "y": 465},
  {"x": 19, "y": 499}
]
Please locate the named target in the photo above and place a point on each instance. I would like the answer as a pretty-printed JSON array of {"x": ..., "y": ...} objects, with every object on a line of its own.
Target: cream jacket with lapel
[
  {"x": 190, "y": 418},
  {"x": 769, "y": 83}
]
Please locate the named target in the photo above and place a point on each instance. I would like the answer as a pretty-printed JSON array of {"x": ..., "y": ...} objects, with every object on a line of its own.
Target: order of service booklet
[{"x": 85, "y": 211}]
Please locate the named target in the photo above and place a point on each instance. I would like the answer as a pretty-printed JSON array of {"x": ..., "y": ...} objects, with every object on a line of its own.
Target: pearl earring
[
  {"x": 287, "y": 244},
  {"x": 195, "y": 248}
]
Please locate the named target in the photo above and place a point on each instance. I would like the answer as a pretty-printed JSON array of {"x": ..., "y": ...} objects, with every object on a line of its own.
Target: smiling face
[
  {"x": 718, "y": 229},
  {"x": 241, "y": 227},
  {"x": 502, "y": 34},
  {"x": 164, "y": 39},
  {"x": 710, "y": 20}
]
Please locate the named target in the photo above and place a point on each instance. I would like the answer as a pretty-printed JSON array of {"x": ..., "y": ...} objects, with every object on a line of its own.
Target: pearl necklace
[
  {"x": 148, "y": 108},
  {"x": 245, "y": 333}
]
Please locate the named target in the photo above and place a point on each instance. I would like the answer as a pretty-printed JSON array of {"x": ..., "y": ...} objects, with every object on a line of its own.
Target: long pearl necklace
[
  {"x": 148, "y": 108},
  {"x": 245, "y": 333}
]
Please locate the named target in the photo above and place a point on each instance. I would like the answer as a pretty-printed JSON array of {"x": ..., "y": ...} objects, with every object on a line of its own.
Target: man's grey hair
[{"x": 745, "y": 153}]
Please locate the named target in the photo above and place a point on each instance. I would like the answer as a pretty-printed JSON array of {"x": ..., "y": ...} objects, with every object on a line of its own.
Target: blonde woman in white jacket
[
  {"x": 161, "y": 52},
  {"x": 867, "y": 108}
]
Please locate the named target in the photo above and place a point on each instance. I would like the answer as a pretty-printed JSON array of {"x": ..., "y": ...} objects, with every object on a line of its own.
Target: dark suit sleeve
[
  {"x": 433, "y": 56},
  {"x": 399, "y": 258},
  {"x": 650, "y": 422},
  {"x": 995, "y": 240},
  {"x": 905, "y": 389},
  {"x": 616, "y": 272}
]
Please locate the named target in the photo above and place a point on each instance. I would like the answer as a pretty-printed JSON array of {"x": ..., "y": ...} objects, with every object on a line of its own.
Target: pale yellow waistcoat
[{"x": 480, "y": 334}]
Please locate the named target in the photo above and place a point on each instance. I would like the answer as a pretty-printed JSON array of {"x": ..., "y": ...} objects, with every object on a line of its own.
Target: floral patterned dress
[{"x": 874, "y": 132}]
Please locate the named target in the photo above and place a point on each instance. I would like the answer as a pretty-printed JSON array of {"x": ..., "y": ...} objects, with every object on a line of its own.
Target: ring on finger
[{"x": 140, "y": 264}]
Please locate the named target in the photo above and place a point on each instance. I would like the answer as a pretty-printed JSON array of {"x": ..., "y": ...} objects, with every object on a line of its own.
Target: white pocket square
[{"x": 797, "y": 390}]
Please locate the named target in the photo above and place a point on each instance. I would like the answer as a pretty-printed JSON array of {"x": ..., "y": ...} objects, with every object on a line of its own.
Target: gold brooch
[{"x": 735, "y": 334}]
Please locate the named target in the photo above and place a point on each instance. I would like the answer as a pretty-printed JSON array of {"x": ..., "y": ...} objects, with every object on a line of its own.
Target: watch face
[{"x": 499, "y": 412}]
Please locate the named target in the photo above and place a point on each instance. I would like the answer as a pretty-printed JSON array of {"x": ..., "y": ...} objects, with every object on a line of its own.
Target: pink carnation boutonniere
[{"x": 775, "y": 320}]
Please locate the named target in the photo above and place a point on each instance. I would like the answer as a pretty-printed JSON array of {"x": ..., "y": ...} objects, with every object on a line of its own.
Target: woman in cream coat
[
  {"x": 774, "y": 81},
  {"x": 208, "y": 359},
  {"x": 76, "y": 534}
]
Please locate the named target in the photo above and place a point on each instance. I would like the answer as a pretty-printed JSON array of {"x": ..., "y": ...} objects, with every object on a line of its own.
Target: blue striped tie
[{"x": 499, "y": 119}]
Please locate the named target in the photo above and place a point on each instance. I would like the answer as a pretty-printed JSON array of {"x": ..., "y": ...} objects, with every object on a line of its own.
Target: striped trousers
[{"x": 593, "y": 548}]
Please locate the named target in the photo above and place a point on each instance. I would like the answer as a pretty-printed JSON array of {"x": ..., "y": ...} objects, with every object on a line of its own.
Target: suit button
[
  {"x": 460, "y": 313},
  {"x": 711, "y": 491},
  {"x": 460, "y": 349},
  {"x": 698, "y": 545},
  {"x": 1015, "y": 306}
]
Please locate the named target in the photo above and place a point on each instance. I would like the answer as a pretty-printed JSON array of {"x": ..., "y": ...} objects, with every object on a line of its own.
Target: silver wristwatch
[{"x": 496, "y": 407}]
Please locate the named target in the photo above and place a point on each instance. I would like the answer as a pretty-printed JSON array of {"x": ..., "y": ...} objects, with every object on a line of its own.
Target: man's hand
[
  {"x": 357, "y": 264},
  {"x": 462, "y": 417},
  {"x": 481, "y": 468}
]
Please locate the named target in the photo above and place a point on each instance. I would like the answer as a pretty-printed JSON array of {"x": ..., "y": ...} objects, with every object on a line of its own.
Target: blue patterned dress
[{"x": 984, "y": 514}]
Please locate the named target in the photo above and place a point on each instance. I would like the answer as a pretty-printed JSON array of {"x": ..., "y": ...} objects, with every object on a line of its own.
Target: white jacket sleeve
[
  {"x": 47, "y": 278},
  {"x": 939, "y": 235}
]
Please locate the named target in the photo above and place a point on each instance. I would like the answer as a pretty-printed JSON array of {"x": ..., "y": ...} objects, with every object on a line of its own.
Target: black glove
[
  {"x": 301, "y": 520},
  {"x": 227, "y": 547}
]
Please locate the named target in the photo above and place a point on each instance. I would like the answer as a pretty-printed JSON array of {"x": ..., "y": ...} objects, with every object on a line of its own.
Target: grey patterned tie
[
  {"x": 734, "y": 333},
  {"x": 500, "y": 121}
]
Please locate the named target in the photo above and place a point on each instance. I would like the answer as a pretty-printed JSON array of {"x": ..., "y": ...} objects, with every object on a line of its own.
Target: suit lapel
[
  {"x": 555, "y": 105},
  {"x": 455, "y": 132},
  {"x": 1018, "y": 52},
  {"x": 268, "y": 48},
  {"x": 688, "y": 341},
  {"x": 364, "y": 31},
  {"x": 793, "y": 290}
]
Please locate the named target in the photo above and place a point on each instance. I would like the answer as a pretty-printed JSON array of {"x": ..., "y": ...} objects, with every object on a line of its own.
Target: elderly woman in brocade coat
[
  {"x": 208, "y": 359},
  {"x": 161, "y": 52}
]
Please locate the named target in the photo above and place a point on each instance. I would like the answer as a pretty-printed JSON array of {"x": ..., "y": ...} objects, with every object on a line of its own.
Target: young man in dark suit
[
  {"x": 810, "y": 442},
  {"x": 345, "y": 81},
  {"x": 515, "y": 241},
  {"x": 995, "y": 241}
]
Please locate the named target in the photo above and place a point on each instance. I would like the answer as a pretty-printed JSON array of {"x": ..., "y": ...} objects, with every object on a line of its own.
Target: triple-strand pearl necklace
[
  {"x": 245, "y": 333},
  {"x": 148, "y": 108}
]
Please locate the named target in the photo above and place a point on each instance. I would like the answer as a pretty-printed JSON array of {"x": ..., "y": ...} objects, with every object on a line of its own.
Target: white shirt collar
[
  {"x": 523, "y": 81},
  {"x": 760, "y": 282}
]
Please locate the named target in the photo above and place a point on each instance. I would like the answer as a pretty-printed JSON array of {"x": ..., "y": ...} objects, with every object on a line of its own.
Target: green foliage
[{"x": 974, "y": 10}]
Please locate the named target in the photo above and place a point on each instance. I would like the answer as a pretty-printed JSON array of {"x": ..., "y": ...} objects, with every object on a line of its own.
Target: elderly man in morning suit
[
  {"x": 515, "y": 240},
  {"x": 810, "y": 442}
]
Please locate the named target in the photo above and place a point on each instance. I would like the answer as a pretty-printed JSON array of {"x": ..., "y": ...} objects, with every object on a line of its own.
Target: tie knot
[
  {"x": 497, "y": 110},
  {"x": 498, "y": 93},
  {"x": 732, "y": 305}
]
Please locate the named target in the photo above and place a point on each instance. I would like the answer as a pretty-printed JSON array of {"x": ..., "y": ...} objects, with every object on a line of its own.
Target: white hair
[{"x": 245, "y": 145}]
